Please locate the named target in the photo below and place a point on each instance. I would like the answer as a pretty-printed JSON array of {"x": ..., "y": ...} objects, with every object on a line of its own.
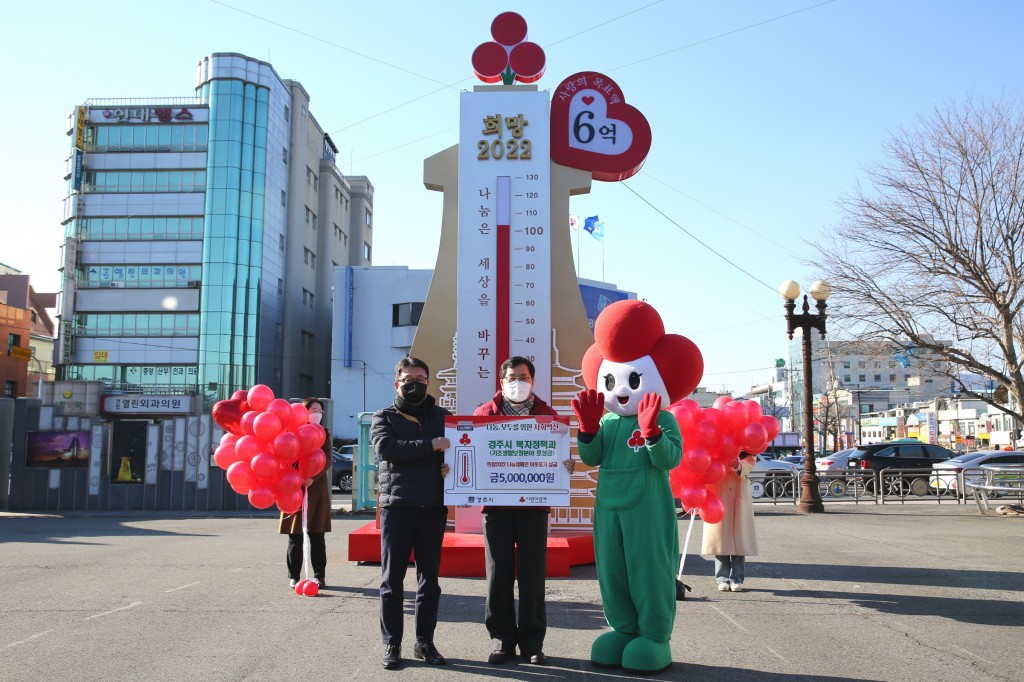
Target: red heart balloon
[
  {"x": 228, "y": 414},
  {"x": 592, "y": 128}
]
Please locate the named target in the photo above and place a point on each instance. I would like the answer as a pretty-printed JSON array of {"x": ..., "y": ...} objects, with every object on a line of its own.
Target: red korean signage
[{"x": 593, "y": 129}]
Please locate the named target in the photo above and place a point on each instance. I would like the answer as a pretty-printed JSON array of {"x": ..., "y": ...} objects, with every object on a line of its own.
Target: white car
[
  {"x": 837, "y": 461},
  {"x": 772, "y": 478},
  {"x": 946, "y": 475},
  {"x": 762, "y": 463}
]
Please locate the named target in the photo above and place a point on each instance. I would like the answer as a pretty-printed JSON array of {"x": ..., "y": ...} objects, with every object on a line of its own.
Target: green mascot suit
[{"x": 638, "y": 368}]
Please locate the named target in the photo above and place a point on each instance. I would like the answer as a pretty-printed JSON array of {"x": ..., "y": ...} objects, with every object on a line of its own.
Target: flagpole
[{"x": 602, "y": 260}]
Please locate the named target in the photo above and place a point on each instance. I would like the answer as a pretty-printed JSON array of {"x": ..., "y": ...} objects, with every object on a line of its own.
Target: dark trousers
[
  {"x": 317, "y": 554},
  {"x": 515, "y": 546},
  {"x": 405, "y": 530}
]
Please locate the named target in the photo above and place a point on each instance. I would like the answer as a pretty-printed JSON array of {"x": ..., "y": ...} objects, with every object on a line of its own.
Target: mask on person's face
[
  {"x": 516, "y": 391},
  {"x": 315, "y": 417},
  {"x": 414, "y": 391}
]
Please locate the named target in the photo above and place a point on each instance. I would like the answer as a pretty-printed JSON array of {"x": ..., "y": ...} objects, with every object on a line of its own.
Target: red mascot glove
[
  {"x": 588, "y": 406},
  {"x": 647, "y": 415}
]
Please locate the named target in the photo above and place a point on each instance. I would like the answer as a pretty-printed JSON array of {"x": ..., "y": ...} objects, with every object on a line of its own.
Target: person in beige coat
[{"x": 733, "y": 538}]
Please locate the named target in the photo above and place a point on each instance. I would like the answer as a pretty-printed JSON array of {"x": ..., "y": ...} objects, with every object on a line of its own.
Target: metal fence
[{"x": 889, "y": 486}]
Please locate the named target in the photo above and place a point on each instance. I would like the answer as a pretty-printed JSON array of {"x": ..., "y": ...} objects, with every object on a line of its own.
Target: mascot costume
[{"x": 638, "y": 368}]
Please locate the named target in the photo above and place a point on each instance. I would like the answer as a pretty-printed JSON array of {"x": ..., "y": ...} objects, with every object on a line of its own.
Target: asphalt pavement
[{"x": 912, "y": 592}]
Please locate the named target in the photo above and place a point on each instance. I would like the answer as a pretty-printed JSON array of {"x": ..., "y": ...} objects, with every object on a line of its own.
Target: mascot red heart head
[{"x": 632, "y": 355}]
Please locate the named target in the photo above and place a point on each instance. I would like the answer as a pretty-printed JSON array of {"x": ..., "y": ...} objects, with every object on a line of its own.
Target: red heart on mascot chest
[
  {"x": 593, "y": 129},
  {"x": 228, "y": 414}
]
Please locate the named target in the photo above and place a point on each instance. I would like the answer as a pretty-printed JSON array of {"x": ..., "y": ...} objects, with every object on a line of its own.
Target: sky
[{"x": 764, "y": 113}]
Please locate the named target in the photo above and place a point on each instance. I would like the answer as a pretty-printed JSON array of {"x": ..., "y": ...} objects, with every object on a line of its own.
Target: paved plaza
[{"x": 914, "y": 592}]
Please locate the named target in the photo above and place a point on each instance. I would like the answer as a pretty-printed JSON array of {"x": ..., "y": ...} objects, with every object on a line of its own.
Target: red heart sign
[
  {"x": 592, "y": 128},
  {"x": 228, "y": 413}
]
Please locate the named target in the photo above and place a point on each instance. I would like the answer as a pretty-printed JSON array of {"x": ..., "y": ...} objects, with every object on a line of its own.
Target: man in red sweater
[{"x": 505, "y": 528}]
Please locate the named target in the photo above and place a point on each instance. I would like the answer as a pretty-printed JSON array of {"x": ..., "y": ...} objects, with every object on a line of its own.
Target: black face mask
[{"x": 414, "y": 391}]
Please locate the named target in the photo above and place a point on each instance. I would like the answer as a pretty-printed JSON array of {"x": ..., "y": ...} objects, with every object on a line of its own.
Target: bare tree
[{"x": 930, "y": 256}]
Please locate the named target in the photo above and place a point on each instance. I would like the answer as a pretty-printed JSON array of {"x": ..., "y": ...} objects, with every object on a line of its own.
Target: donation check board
[{"x": 507, "y": 461}]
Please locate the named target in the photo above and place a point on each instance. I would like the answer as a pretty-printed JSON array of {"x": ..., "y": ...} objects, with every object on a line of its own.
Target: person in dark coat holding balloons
[{"x": 318, "y": 513}]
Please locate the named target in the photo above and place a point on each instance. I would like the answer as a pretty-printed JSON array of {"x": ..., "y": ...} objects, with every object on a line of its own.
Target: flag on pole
[
  {"x": 574, "y": 223},
  {"x": 594, "y": 226}
]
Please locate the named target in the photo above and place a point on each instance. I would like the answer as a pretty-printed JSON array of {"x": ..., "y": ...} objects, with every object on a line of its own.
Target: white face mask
[
  {"x": 315, "y": 417},
  {"x": 516, "y": 391}
]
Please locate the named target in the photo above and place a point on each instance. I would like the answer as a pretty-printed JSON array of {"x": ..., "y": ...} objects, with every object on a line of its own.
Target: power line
[
  {"x": 694, "y": 237},
  {"x": 721, "y": 35},
  {"x": 727, "y": 217},
  {"x": 328, "y": 42}
]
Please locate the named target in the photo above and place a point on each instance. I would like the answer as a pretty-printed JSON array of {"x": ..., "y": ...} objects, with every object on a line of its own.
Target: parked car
[
  {"x": 834, "y": 461},
  {"x": 868, "y": 461},
  {"x": 795, "y": 460},
  {"x": 772, "y": 477},
  {"x": 341, "y": 467},
  {"x": 946, "y": 475}
]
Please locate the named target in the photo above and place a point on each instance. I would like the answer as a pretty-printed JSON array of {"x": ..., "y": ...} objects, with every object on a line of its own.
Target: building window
[
  {"x": 280, "y": 285},
  {"x": 314, "y": 222},
  {"x": 280, "y": 331},
  {"x": 10, "y": 388},
  {"x": 281, "y": 242},
  {"x": 287, "y": 113},
  {"x": 13, "y": 341},
  {"x": 316, "y": 184},
  {"x": 284, "y": 155},
  {"x": 906, "y": 377},
  {"x": 306, "y": 253},
  {"x": 307, "y": 339},
  {"x": 846, "y": 378},
  {"x": 369, "y": 218},
  {"x": 878, "y": 377},
  {"x": 366, "y": 252},
  {"x": 308, "y": 213},
  {"x": 861, "y": 378},
  {"x": 861, "y": 364},
  {"x": 406, "y": 314},
  {"x": 892, "y": 378},
  {"x": 284, "y": 198},
  {"x": 846, "y": 364},
  {"x": 303, "y": 111},
  {"x": 312, "y": 260}
]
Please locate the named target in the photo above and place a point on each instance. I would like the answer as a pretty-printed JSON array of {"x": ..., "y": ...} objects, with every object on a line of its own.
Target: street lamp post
[{"x": 810, "y": 498}]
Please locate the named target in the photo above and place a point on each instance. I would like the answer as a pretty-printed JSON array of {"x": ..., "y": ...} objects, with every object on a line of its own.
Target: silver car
[
  {"x": 835, "y": 462},
  {"x": 946, "y": 475}
]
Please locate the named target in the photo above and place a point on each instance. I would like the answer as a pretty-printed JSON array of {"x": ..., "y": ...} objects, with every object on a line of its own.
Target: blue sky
[{"x": 763, "y": 114}]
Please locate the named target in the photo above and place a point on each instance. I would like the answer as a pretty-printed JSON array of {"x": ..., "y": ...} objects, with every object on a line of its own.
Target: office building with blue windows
[{"x": 201, "y": 235}]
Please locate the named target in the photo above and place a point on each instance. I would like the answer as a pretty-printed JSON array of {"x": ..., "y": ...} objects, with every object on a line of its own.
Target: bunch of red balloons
[
  {"x": 266, "y": 437},
  {"x": 712, "y": 440}
]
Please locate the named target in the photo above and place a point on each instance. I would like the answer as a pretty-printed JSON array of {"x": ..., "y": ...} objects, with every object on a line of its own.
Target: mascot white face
[{"x": 625, "y": 383}]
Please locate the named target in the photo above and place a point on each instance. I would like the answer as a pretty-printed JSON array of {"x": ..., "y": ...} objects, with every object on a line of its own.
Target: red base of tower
[{"x": 462, "y": 554}]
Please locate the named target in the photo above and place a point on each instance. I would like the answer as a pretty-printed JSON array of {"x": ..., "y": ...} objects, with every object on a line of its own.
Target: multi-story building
[
  {"x": 201, "y": 234},
  {"x": 852, "y": 378},
  {"x": 28, "y": 329}
]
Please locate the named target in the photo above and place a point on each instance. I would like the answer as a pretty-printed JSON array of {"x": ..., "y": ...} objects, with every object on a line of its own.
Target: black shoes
[
  {"x": 320, "y": 581},
  {"x": 498, "y": 657},
  {"x": 426, "y": 651},
  {"x": 538, "y": 658},
  {"x": 392, "y": 656}
]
